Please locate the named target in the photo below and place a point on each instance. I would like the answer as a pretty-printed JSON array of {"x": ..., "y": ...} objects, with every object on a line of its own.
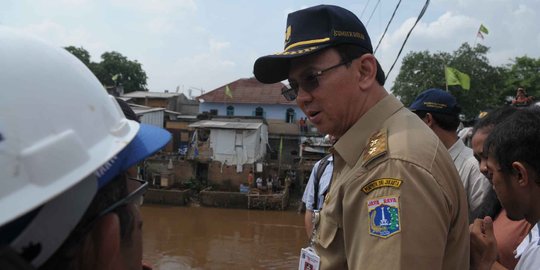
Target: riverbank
[{"x": 254, "y": 199}]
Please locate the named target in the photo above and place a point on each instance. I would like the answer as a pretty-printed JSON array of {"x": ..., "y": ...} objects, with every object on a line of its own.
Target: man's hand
[{"x": 483, "y": 244}]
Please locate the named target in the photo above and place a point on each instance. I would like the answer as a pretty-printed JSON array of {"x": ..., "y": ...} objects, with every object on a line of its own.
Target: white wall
[{"x": 272, "y": 111}]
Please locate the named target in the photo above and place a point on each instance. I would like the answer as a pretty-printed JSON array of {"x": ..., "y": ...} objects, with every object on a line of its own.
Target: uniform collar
[
  {"x": 456, "y": 148},
  {"x": 351, "y": 145}
]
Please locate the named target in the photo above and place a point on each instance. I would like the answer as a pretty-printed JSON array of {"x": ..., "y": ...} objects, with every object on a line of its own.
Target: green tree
[
  {"x": 419, "y": 71},
  {"x": 523, "y": 72},
  {"x": 130, "y": 73},
  {"x": 423, "y": 70},
  {"x": 125, "y": 72},
  {"x": 80, "y": 53}
]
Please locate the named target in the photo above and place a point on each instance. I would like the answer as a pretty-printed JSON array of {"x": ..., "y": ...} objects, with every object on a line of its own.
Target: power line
[
  {"x": 407, "y": 37},
  {"x": 375, "y": 8},
  {"x": 386, "y": 29},
  {"x": 362, "y": 14}
]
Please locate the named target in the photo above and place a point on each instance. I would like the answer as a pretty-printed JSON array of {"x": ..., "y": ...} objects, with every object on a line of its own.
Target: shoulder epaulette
[{"x": 376, "y": 147}]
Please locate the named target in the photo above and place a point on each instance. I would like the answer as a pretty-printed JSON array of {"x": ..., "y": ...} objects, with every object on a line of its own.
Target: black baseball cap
[
  {"x": 309, "y": 31},
  {"x": 437, "y": 101}
]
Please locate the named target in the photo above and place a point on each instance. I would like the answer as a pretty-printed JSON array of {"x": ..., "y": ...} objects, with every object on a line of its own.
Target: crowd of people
[
  {"x": 270, "y": 184},
  {"x": 401, "y": 191}
]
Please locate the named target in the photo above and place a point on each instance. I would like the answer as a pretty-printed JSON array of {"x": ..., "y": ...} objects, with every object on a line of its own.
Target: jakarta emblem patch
[{"x": 384, "y": 216}]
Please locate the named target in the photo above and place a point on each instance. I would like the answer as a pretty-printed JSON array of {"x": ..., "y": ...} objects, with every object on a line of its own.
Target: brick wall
[
  {"x": 168, "y": 197},
  {"x": 223, "y": 199},
  {"x": 220, "y": 175},
  {"x": 183, "y": 170}
]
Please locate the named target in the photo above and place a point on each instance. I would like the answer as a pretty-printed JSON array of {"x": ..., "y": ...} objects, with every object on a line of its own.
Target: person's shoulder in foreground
[{"x": 66, "y": 201}]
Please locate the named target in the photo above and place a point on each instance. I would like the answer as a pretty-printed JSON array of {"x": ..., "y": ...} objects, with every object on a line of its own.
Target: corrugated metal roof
[
  {"x": 184, "y": 116},
  {"x": 247, "y": 91},
  {"x": 144, "y": 94},
  {"x": 225, "y": 125},
  {"x": 146, "y": 110},
  {"x": 140, "y": 109},
  {"x": 173, "y": 112}
]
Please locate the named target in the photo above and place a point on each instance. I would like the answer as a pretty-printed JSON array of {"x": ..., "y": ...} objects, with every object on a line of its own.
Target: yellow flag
[
  {"x": 228, "y": 91},
  {"x": 456, "y": 77},
  {"x": 483, "y": 29}
]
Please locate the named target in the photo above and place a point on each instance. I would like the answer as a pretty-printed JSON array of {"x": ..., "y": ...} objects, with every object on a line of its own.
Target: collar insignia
[{"x": 376, "y": 147}]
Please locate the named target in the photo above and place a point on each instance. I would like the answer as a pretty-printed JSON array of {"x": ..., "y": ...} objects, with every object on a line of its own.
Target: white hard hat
[{"x": 57, "y": 127}]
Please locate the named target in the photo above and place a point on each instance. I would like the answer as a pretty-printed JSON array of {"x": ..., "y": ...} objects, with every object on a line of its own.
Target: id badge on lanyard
[{"x": 309, "y": 260}]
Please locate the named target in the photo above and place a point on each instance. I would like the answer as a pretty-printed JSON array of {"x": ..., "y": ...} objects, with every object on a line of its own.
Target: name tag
[{"x": 309, "y": 260}]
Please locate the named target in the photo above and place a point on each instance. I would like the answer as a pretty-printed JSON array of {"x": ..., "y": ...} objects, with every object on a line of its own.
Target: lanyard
[{"x": 315, "y": 218}]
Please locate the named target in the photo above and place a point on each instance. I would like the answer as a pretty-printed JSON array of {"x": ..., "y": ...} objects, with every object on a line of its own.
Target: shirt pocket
[{"x": 327, "y": 232}]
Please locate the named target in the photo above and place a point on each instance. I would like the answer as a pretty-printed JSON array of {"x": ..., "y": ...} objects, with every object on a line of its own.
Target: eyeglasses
[
  {"x": 309, "y": 83},
  {"x": 135, "y": 196}
]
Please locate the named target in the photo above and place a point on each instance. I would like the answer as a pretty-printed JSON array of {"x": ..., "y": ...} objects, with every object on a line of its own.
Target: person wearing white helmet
[{"x": 66, "y": 201}]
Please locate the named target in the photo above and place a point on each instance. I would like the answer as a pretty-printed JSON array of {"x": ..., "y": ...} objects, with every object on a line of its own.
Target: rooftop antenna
[{"x": 191, "y": 88}]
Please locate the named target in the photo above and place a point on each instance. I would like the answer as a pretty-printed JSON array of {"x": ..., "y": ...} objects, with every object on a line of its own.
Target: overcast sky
[{"x": 207, "y": 44}]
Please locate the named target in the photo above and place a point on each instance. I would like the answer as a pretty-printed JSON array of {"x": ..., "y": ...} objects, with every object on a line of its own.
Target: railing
[{"x": 257, "y": 199}]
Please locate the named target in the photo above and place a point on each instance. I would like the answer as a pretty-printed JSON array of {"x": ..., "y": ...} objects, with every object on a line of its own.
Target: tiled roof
[{"x": 247, "y": 91}]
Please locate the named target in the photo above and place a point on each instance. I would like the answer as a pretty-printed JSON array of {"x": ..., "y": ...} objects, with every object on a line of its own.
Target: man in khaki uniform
[{"x": 396, "y": 201}]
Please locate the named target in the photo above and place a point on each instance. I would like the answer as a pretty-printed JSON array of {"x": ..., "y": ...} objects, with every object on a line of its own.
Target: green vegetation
[
  {"x": 114, "y": 68},
  {"x": 491, "y": 86}
]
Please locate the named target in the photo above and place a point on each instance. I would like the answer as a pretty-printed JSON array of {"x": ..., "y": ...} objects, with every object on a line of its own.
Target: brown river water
[{"x": 215, "y": 238}]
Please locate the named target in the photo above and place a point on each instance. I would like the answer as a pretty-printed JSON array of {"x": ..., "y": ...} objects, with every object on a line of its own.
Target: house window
[
  {"x": 203, "y": 135},
  {"x": 230, "y": 110},
  {"x": 259, "y": 111},
  {"x": 289, "y": 115},
  {"x": 213, "y": 112}
]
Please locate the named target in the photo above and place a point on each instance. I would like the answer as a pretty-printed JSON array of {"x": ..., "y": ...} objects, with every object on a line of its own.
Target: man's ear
[
  {"x": 367, "y": 67},
  {"x": 521, "y": 173},
  {"x": 428, "y": 119},
  {"x": 106, "y": 237}
]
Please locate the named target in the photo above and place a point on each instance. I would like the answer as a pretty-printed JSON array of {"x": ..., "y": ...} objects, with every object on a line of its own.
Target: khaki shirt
[{"x": 397, "y": 201}]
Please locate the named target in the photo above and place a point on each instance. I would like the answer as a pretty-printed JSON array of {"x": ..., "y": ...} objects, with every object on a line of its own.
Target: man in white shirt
[
  {"x": 269, "y": 184},
  {"x": 440, "y": 111},
  {"x": 513, "y": 166},
  {"x": 259, "y": 182},
  {"x": 324, "y": 182},
  {"x": 530, "y": 244}
]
